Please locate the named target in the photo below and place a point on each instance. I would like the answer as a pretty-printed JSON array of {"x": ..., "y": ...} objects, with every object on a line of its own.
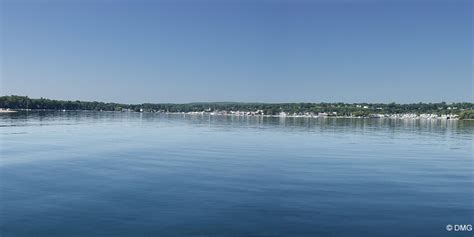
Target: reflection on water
[
  {"x": 302, "y": 124},
  {"x": 144, "y": 174}
]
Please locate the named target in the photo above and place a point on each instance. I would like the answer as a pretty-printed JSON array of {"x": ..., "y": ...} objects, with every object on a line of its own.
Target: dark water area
[{"x": 143, "y": 174}]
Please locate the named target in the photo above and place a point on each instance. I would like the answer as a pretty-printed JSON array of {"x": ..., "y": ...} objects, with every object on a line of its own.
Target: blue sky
[{"x": 249, "y": 51}]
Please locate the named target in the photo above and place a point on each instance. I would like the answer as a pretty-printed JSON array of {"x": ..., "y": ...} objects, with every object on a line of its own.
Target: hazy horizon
[
  {"x": 246, "y": 102},
  {"x": 238, "y": 51}
]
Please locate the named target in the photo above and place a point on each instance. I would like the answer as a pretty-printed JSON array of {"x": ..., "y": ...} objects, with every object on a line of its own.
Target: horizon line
[{"x": 241, "y": 102}]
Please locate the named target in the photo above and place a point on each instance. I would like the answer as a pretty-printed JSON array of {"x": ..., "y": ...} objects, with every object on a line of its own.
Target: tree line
[{"x": 463, "y": 109}]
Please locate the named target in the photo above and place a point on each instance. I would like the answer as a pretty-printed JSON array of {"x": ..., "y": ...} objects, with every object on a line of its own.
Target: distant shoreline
[
  {"x": 442, "y": 110},
  {"x": 391, "y": 116}
]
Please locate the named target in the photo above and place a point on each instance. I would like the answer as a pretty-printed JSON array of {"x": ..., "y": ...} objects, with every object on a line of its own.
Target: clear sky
[{"x": 231, "y": 50}]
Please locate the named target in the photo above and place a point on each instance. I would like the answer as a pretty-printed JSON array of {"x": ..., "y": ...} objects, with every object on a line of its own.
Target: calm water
[{"x": 131, "y": 174}]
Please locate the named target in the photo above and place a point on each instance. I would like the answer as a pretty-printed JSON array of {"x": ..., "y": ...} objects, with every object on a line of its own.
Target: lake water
[{"x": 132, "y": 174}]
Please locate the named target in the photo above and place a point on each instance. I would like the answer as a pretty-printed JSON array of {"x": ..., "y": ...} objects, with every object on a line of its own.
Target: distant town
[{"x": 442, "y": 110}]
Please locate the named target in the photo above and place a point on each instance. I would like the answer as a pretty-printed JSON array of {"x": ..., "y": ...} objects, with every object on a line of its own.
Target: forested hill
[{"x": 357, "y": 109}]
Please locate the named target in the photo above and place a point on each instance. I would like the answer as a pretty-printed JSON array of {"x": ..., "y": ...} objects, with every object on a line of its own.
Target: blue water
[{"x": 132, "y": 174}]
